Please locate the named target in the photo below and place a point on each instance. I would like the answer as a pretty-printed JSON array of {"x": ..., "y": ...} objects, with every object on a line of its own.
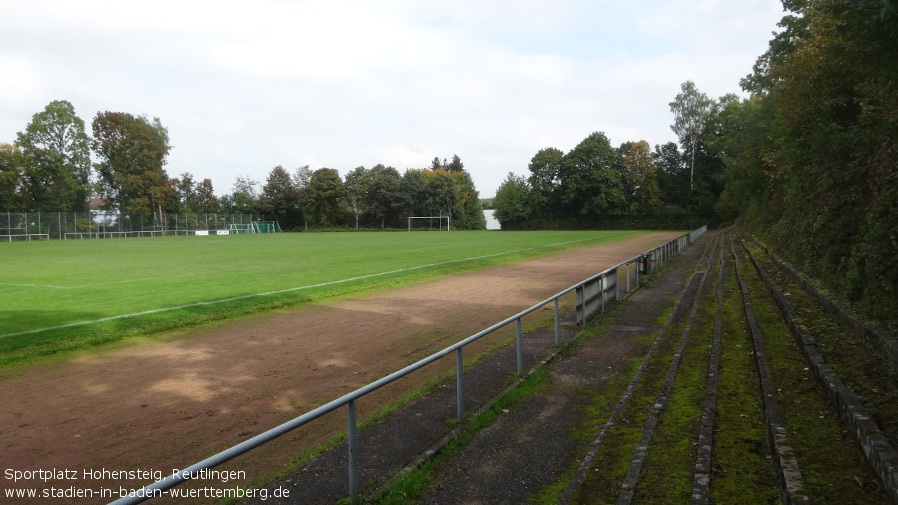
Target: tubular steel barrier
[
  {"x": 109, "y": 224},
  {"x": 592, "y": 294}
]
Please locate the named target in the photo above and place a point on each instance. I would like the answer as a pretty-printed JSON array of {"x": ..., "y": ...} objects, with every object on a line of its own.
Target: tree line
[
  {"x": 379, "y": 197},
  {"x": 49, "y": 168},
  {"x": 629, "y": 186}
]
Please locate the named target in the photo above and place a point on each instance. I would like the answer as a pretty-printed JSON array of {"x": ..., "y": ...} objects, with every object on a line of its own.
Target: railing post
[
  {"x": 581, "y": 306},
  {"x": 557, "y": 333},
  {"x": 616, "y": 285},
  {"x": 519, "y": 340},
  {"x": 353, "y": 455},
  {"x": 459, "y": 386}
]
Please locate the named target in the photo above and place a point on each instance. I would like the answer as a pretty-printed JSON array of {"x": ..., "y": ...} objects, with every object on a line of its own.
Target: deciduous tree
[
  {"x": 640, "y": 177},
  {"x": 183, "y": 195},
  {"x": 673, "y": 174},
  {"x": 468, "y": 213},
  {"x": 280, "y": 198},
  {"x": 356, "y": 184},
  {"x": 512, "y": 202},
  {"x": 545, "y": 167},
  {"x": 57, "y": 163},
  {"x": 302, "y": 177},
  {"x": 592, "y": 184},
  {"x": 206, "y": 201},
  {"x": 243, "y": 198},
  {"x": 414, "y": 192},
  {"x": 442, "y": 195},
  {"x": 691, "y": 109},
  {"x": 384, "y": 195},
  {"x": 325, "y": 197},
  {"x": 12, "y": 195},
  {"x": 132, "y": 152}
]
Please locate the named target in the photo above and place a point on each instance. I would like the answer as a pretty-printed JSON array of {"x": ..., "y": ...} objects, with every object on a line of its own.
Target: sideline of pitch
[{"x": 288, "y": 290}]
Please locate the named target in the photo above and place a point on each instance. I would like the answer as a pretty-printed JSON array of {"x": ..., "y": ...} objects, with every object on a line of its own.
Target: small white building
[{"x": 491, "y": 222}]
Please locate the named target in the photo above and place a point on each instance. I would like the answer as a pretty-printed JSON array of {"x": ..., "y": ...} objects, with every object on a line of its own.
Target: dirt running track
[{"x": 162, "y": 404}]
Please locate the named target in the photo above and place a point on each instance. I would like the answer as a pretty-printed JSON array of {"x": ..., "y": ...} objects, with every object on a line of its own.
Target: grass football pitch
[{"x": 58, "y": 295}]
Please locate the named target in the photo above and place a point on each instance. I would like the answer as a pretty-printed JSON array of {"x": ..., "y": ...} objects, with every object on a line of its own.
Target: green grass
[
  {"x": 602, "y": 484},
  {"x": 58, "y": 295},
  {"x": 669, "y": 469},
  {"x": 741, "y": 459},
  {"x": 832, "y": 466}
]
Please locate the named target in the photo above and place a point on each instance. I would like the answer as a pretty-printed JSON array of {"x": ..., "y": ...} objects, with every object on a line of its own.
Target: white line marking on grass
[
  {"x": 288, "y": 290},
  {"x": 164, "y": 277},
  {"x": 33, "y": 285},
  {"x": 99, "y": 284}
]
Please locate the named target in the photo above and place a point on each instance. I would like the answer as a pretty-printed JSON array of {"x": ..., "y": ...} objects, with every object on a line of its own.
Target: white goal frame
[
  {"x": 238, "y": 228},
  {"x": 439, "y": 218}
]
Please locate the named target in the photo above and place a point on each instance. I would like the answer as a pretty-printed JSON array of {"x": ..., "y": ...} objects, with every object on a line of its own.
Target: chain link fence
[{"x": 104, "y": 224}]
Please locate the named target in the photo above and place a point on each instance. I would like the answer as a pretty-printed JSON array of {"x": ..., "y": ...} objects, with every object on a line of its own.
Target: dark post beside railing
[
  {"x": 557, "y": 332},
  {"x": 353, "y": 444},
  {"x": 459, "y": 386}
]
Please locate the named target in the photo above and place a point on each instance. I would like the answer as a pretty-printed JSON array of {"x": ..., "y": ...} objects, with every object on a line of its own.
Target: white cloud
[{"x": 244, "y": 86}]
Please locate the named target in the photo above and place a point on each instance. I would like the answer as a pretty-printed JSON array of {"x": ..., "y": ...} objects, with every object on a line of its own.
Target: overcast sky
[{"x": 244, "y": 85}]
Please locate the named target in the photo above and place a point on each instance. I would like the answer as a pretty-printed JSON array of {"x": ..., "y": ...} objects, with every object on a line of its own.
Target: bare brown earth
[{"x": 165, "y": 403}]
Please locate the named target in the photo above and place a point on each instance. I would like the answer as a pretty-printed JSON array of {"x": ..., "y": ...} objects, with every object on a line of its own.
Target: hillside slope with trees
[
  {"x": 808, "y": 162},
  {"x": 811, "y": 157}
]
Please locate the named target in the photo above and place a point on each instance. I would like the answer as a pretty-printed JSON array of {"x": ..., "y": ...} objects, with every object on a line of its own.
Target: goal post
[
  {"x": 430, "y": 219},
  {"x": 238, "y": 228},
  {"x": 267, "y": 227}
]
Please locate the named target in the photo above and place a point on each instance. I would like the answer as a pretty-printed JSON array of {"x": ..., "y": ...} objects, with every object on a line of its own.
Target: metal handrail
[{"x": 157, "y": 488}]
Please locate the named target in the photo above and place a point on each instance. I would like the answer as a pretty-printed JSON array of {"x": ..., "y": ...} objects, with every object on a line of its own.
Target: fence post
[
  {"x": 616, "y": 285},
  {"x": 581, "y": 305},
  {"x": 557, "y": 333},
  {"x": 520, "y": 349},
  {"x": 353, "y": 455},
  {"x": 459, "y": 386}
]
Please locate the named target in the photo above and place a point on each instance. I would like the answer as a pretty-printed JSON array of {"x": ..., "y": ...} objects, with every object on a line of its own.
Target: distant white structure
[{"x": 491, "y": 222}]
